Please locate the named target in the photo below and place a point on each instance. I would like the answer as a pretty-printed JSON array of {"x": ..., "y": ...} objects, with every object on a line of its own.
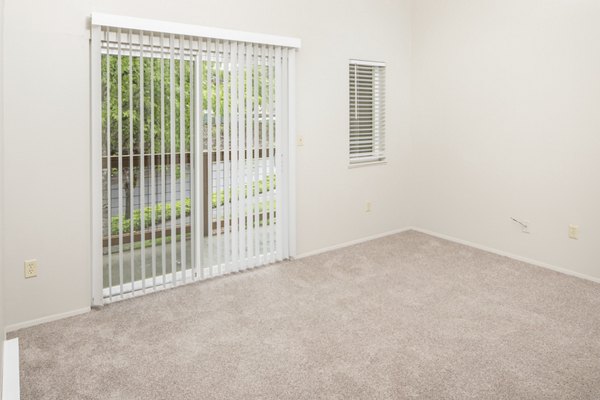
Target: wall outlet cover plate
[{"x": 31, "y": 268}]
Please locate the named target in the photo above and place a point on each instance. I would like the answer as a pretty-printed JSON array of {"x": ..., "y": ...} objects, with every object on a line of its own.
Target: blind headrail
[
  {"x": 368, "y": 63},
  {"x": 151, "y": 25}
]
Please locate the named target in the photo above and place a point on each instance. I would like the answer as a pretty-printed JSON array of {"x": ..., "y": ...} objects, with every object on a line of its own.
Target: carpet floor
[{"x": 405, "y": 316}]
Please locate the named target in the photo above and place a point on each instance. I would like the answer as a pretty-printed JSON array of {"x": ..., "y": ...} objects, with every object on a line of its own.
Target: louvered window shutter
[{"x": 367, "y": 111}]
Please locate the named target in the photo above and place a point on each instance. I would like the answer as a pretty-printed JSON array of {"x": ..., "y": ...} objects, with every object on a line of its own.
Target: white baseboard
[
  {"x": 11, "y": 388},
  {"x": 509, "y": 255},
  {"x": 352, "y": 242},
  {"x": 27, "y": 324},
  {"x": 455, "y": 240},
  {"x": 43, "y": 320}
]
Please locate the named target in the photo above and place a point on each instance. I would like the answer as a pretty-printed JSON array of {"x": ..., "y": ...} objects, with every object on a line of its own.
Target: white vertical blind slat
[
  {"x": 142, "y": 168},
  {"x": 209, "y": 124},
  {"x": 182, "y": 161},
  {"x": 272, "y": 248},
  {"x": 173, "y": 163},
  {"x": 193, "y": 154},
  {"x": 108, "y": 173},
  {"x": 255, "y": 160},
  {"x": 250, "y": 66},
  {"x": 226, "y": 155},
  {"x": 131, "y": 168},
  {"x": 120, "y": 162},
  {"x": 152, "y": 164},
  {"x": 218, "y": 160},
  {"x": 200, "y": 162},
  {"x": 263, "y": 115},
  {"x": 242, "y": 156},
  {"x": 163, "y": 172},
  {"x": 291, "y": 156},
  {"x": 278, "y": 153},
  {"x": 284, "y": 157},
  {"x": 235, "y": 249}
]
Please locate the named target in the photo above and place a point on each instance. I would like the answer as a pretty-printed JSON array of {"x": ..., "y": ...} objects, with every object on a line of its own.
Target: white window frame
[{"x": 377, "y": 155}]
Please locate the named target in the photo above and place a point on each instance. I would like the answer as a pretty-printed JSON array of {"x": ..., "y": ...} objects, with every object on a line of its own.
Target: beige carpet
[{"x": 406, "y": 316}]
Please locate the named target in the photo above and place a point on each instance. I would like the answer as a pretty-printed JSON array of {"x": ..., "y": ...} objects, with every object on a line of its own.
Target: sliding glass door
[{"x": 192, "y": 158}]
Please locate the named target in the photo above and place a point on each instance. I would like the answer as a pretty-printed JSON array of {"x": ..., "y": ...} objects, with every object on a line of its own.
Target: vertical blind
[
  {"x": 194, "y": 157},
  {"x": 367, "y": 111}
]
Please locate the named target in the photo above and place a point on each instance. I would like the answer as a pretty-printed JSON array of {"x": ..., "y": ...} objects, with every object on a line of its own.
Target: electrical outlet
[
  {"x": 573, "y": 232},
  {"x": 368, "y": 206},
  {"x": 31, "y": 268}
]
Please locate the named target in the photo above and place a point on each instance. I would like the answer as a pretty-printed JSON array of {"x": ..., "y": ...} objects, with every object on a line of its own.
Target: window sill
[{"x": 366, "y": 164}]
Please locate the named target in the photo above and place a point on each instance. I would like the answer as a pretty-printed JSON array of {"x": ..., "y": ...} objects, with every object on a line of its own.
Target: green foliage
[
  {"x": 159, "y": 208},
  {"x": 152, "y": 111},
  {"x": 156, "y": 100},
  {"x": 156, "y": 97}
]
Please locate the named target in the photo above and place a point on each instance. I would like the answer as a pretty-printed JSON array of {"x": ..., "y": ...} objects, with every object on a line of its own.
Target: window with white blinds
[
  {"x": 192, "y": 143},
  {"x": 367, "y": 111}
]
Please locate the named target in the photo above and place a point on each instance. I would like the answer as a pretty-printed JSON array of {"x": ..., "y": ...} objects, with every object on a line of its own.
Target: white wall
[
  {"x": 2, "y": 337},
  {"x": 47, "y": 181},
  {"x": 506, "y": 122}
]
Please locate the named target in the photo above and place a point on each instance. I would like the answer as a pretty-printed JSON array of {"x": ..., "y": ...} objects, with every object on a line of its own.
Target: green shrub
[
  {"x": 158, "y": 212},
  {"x": 158, "y": 209}
]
